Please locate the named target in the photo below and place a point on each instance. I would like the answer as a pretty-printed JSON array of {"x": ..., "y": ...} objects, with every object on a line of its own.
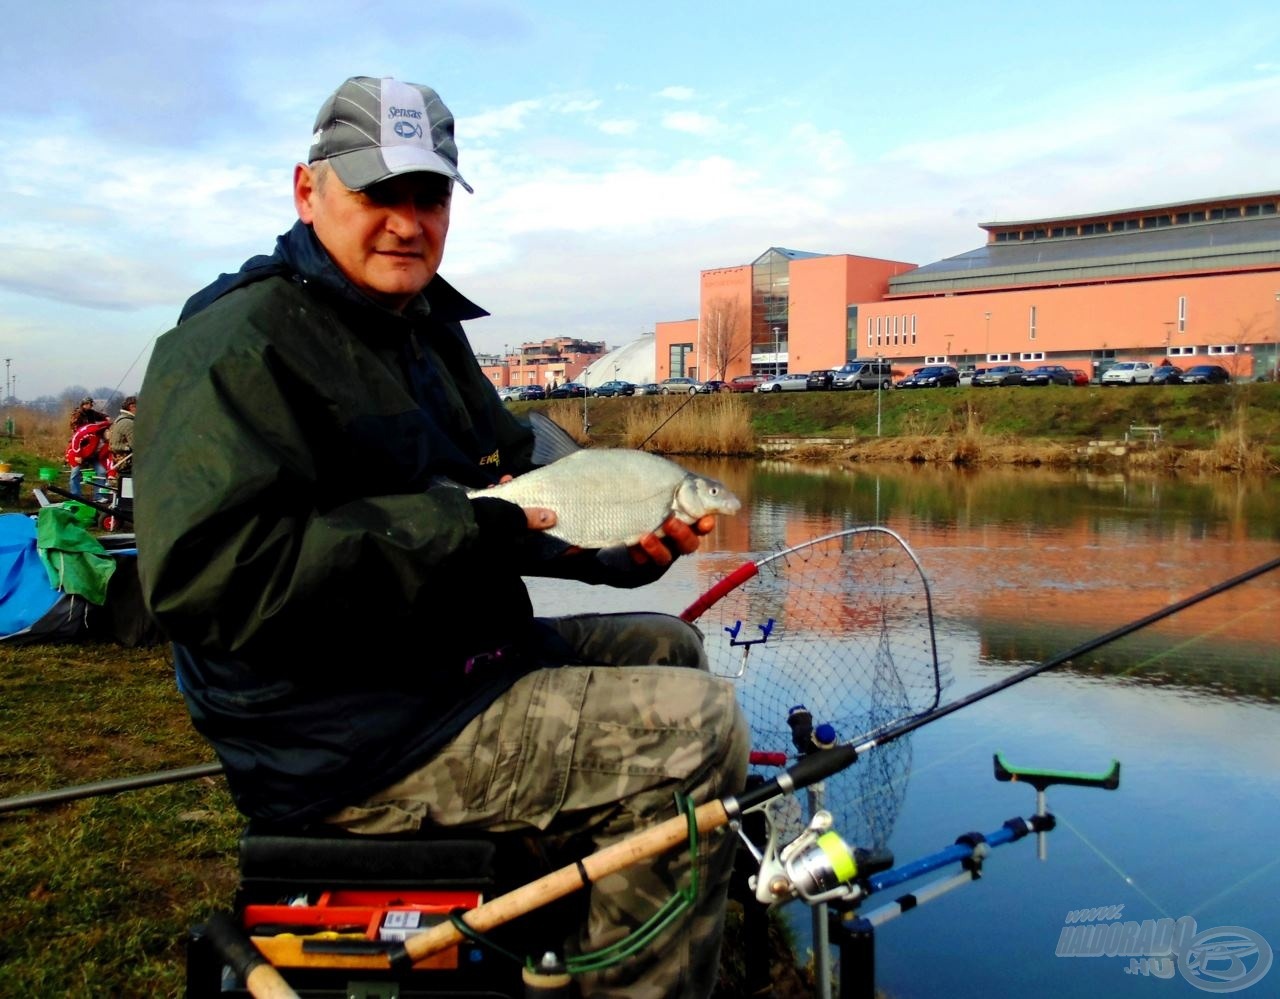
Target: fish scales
[{"x": 613, "y": 496}]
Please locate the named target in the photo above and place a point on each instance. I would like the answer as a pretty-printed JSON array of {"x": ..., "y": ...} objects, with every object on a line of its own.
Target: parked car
[
  {"x": 967, "y": 373},
  {"x": 613, "y": 388},
  {"x": 794, "y": 382},
  {"x": 746, "y": 383},
  {"x": 674, "y": 386},
  {"x": 569, "y": 390},
  {"x": 1166, "y": 374},
  {"x": 528, "y": 392},
  {"x": 713, "y": 385},
  {"x": 1128, "y": 373},
  {"x": 509, "y": 393},
  {"x": 821, "y": 379},
  {"x": 1207, "y": 374},
  {"x": 648, "y": 388},
  {"x": 1048, "y": 374},
  {"x": 931, "y": 376},
  {"x": 1079, "y": 377},
  {"x": 1000, "y": 374},
  {"x": 864, "y": 375}
]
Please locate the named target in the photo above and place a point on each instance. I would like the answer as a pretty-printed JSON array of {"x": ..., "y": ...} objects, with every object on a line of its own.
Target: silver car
[{"x": 794, "y": 382}]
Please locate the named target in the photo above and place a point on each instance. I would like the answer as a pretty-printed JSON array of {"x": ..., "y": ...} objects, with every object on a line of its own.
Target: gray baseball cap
[{"x": 371, "y": 129}]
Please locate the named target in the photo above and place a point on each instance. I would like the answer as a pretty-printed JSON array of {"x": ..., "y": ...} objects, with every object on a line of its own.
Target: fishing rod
[
  {"x": 110, "y": 786},
  {"x": 715, "y": 814}
]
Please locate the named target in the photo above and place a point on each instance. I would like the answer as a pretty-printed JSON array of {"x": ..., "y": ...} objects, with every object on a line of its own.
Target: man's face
[{"x": 388, "y": 239}]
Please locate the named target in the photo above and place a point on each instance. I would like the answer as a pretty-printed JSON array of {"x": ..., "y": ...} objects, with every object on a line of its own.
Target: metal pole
[
  {"x": 987, "y": 316},
  {"x": 879, "y": 386}
]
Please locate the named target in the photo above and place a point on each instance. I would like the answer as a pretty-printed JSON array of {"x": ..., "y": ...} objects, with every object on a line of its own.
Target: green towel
[{"x": 73, "y": 557}]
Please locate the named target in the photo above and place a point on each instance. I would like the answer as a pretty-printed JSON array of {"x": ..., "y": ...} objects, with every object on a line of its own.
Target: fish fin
[{"x": 550, "y": 440}]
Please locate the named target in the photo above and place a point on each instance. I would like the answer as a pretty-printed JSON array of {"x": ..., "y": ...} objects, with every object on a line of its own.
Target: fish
[{"x": 606, "y": 497}]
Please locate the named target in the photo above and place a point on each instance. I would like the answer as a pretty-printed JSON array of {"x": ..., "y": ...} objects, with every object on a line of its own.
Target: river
[{"x": 1021, "y": 566}]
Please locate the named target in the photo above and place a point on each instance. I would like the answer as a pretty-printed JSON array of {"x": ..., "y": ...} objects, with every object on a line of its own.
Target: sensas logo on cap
[{"x": 407, "y": 130}]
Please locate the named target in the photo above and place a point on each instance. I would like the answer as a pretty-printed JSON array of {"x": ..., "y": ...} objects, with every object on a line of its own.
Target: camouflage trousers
[{"x": 596, "y": 753}]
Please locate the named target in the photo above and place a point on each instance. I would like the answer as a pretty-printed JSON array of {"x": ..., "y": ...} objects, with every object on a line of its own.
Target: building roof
[
  {"x": 782, "y": 251},
  {"x": 1172, "y": 206},
  {"x": 632, "y": 362},
  {"x": 1230, "y": 243}
]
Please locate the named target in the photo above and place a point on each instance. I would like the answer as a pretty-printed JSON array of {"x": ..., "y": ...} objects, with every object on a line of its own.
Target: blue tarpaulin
[{"x": 25, "y": 593}]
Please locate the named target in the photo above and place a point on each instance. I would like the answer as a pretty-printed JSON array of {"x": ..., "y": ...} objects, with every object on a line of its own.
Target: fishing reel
[{"x": 817, "y": 866}]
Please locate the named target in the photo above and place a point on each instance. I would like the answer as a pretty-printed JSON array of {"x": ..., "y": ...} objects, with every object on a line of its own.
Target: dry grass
[
  {"x": 704, "y": 424},
  {"x": 41, "y": 434}
]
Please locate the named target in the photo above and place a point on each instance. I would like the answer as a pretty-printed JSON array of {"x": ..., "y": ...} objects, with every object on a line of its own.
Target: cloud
[
  {"x": 677, "y": 93},
  {"x": 626, "y": 126},
  {"x": 691, "y": 122}
]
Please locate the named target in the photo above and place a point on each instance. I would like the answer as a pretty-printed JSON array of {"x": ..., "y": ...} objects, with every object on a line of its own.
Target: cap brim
[{"x": 363, "y": 168}]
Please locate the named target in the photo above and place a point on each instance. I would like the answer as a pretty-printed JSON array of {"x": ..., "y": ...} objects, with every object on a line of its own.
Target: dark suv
[
  {"x": 864, "y": 375},
  {"x": 931, "y": 376},
  {"x": 822, "y": 378}
]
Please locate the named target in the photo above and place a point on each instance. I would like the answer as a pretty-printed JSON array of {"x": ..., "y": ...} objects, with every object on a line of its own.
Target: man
[
  {"x": 120, "y": 437},
  {"x": 86, "y": 447},
  {"x": 355, "y": 639}
]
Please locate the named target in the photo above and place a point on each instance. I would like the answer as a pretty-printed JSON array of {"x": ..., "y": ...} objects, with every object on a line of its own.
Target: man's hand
[
  {"x": 678, "y": 538},
  {"x": 539, "y": 517}
]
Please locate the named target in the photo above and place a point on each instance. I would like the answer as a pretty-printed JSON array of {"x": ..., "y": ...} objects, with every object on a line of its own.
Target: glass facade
[{"x": 770, "y": 298}]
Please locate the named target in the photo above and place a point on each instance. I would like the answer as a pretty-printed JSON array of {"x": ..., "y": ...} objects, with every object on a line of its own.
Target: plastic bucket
[
  {"x": 48, "y": 475},
  {"x": 4, "y": 467}
]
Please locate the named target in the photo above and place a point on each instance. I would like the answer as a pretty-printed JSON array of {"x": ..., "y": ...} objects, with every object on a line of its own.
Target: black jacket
[{"x": 323, "y": 596}]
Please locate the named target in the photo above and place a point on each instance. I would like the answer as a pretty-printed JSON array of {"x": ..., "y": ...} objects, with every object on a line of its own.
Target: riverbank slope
[{"x": 1226, "y": 425}]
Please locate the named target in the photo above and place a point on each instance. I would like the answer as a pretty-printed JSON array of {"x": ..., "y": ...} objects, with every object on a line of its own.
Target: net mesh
[{"x": 842, "y": 625}]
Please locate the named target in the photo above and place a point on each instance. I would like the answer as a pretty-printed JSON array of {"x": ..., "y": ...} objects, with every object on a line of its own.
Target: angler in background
[
  {"x": 88, "y": 446},
  {"x": 353, "y": 637},
  {"x": 120, "y": 437}
]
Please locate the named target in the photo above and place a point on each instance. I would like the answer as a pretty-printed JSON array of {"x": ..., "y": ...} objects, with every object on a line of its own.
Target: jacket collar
[{"x": 300, "y": 255}]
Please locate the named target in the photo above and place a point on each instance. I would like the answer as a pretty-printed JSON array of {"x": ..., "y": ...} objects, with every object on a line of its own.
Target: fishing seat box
[{"x": 304, "y": 896}]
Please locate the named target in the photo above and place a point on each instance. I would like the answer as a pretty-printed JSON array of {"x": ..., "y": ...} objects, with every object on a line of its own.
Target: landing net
[{"x": 842, "y": 625}]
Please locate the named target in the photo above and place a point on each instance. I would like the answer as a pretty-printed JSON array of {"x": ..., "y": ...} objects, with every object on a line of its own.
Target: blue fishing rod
[{"x": 857, "y": 937}]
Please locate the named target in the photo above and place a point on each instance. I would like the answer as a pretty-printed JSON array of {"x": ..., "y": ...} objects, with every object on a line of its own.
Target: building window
[
  {"x": 1222, "y": 348},
  {"x": 1181, "y": 351},
  {"x": 1031, "y": 326},
  {"x": 1031, "y": 355},
  {"x": 677, "y": 357},
  {"x": 1182, "y": 313}
]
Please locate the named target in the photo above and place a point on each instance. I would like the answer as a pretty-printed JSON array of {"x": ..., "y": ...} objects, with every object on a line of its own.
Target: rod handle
[{"x": 260, "y": 978}]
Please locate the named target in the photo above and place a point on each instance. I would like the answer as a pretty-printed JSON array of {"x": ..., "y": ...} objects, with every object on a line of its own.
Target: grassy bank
[{"x": 1231, "y": 427}]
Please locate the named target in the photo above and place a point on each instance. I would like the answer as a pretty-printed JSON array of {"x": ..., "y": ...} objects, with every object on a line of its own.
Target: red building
[{"x": 1197, "y": 282}]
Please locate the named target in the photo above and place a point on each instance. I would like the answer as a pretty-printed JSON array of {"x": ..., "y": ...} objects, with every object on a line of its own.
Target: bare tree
[{"x": 724, "y": 334}]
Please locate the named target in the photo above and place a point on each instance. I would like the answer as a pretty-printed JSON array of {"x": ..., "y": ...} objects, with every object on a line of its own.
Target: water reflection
[{"x": 1036, "y": 562}]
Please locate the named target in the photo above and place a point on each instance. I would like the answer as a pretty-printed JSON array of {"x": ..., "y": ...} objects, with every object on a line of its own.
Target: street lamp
[
  {"x": 879, "y": 386},
  {"x": 775, "y": 352}
]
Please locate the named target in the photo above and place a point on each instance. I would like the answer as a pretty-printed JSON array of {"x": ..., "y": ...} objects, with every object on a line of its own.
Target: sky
[{"x": 616, "y": 151}]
